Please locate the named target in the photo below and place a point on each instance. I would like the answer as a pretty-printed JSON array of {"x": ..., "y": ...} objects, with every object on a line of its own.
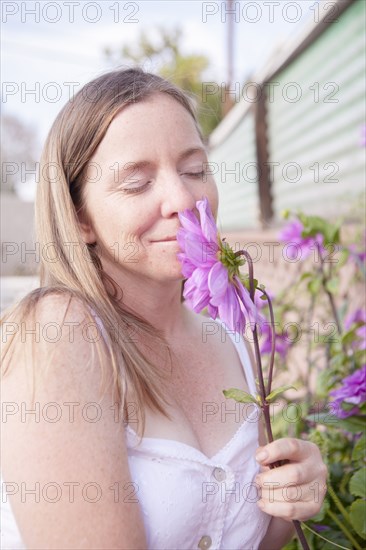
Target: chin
[{"x": 170, "y": 275}]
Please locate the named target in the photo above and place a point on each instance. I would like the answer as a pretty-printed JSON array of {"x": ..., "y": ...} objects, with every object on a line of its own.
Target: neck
[{"x": 158, "y": 302}]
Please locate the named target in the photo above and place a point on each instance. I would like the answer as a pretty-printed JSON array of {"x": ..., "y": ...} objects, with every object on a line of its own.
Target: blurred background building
[
  {"x": 294, "y": 138},
  {"x": 280, "y": 94}
]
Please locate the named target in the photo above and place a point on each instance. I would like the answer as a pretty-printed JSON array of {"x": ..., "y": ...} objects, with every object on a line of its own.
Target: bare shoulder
[
  {"x": 59, "y": 308},
  {"x": 71, "y": 435},
  {"x": 54, "y": 324},
  {"x": 54, "y": 357}
]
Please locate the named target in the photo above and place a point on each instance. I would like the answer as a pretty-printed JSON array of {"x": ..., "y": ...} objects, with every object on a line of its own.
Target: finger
[
  {"x": 264, "y": 468},
  {"x": 289, "y": 493},
  {"x": 295, "y": 473},
  {"x": 289, "y": 511},
  {"x": 287, "y": 448}
]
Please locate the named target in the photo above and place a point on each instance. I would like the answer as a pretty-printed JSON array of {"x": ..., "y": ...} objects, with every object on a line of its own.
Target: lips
[{"x": 166, "y": 239}]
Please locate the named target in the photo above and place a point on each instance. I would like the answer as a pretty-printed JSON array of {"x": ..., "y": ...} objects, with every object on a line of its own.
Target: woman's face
[{"x": 149, "y": 166}]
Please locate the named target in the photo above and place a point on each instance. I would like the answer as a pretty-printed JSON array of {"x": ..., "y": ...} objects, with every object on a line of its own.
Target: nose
[{"x": 176, "y": 194}]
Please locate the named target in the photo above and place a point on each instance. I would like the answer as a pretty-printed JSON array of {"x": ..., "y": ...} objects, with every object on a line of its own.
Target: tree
[
  {"x": 18, "y": 151},
  {"x": 186, "y": 71}
]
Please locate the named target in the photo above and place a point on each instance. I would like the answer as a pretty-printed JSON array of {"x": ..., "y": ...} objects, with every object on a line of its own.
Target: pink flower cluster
[
  {"x": 356, "y": 317},
  {"x": 208, "y": 281},
  {"x": 292, "y": 235},
  {"x": 352, "y": 392}
]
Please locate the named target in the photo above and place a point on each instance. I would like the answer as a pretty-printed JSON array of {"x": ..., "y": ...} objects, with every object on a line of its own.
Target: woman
[{"x": 155, "y": 457}]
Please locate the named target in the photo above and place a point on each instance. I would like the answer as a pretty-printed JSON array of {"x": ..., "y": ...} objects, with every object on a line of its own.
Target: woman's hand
[{"x": 297, "y": 489}]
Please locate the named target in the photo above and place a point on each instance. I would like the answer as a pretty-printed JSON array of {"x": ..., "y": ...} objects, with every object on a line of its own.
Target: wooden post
[
  {"x": 230, "y": 43},
  {"x": 264, "y": 183},
  {"x": 228, "y": 102}
]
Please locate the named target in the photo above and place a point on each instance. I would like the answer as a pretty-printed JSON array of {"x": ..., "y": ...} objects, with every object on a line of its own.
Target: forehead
[{"x": 155, "y": 116}]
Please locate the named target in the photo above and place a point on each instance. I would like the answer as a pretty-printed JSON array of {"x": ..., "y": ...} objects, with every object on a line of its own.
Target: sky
[{"x": 49, "y": 50}]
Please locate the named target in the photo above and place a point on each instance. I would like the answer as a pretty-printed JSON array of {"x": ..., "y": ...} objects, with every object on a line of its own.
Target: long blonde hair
[{"x": 74, "y": 136}]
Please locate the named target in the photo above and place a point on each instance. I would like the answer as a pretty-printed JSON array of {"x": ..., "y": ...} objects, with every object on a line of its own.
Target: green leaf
[
  {"x": 239, "y": 395},
  {"x": 279, "y": 390},
  {"x": 359, "y": 451},
  {"x": 327, "y": 418},
  {"x": 343, "y": 485},
  {"x": 315, "y": 224},
  {"x": 324, "y": 382},
  {"x": 333, "y": 234},
  {"x": 351, "y": 335},
  {"x": 332, "y": 285},
  {"x": 360, "y": 356},
  {"x": 354, "y": 424},
  {"x": 357, "y": 484},
  {"x": 337, "y": 361},
  {"x": 320, "y": 438},
  {"x": 332, "y": 536},
  {"x": 312, "y": 225},
  {"x": 244, "y": 278},
  {"x": 343, "y": 257},
  {"x": 358, "y": 516},
  {"x": 305, "y": 275},
  {"x": 292, "y": 545},
  {"x": 314, "y": 285}
]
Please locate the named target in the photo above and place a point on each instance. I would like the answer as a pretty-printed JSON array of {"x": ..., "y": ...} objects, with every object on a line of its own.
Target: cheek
[
  {"x": 119, "y": 221},
  {"x": 213, "y": 197}
]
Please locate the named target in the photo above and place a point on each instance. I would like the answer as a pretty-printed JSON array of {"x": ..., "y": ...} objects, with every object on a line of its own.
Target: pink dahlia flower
[
  {"x": 357, "y": 316},
  {"x": 282, "y": 343},
  {"x": 212, "y": 271},
  {"x": 301, "y": 246},
  {"x": 352, "y": 391},
  {"x": 356, "y": 255}
]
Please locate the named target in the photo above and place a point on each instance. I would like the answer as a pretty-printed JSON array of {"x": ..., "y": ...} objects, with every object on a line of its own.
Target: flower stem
[
  {"x": 344, "y": 529},
  {"x": 334, "y": 310},
  {"x": 329, "y": 294},
  {"x": 273, "y": 342},
  {"x": 323, "y": 538},
  {"x": 309, "y": 362},
  {"x": 263, "y": 394},
  {"x": 339, "y": 505}
]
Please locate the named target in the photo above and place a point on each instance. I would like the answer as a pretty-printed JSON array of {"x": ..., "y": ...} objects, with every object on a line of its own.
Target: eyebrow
[{"x": 191, "y": 151}]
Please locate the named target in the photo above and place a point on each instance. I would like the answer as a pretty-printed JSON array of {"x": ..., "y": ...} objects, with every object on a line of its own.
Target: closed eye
[
  {"x": 135, "y": 189},
  {"x": 195, "y": 174}
]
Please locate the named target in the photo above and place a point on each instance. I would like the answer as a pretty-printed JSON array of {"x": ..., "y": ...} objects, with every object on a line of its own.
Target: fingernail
[{"x": 262, "y": 455}]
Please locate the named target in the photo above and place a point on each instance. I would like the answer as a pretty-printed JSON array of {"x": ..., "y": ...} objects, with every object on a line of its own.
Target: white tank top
[{"x": 187, "y": 499}]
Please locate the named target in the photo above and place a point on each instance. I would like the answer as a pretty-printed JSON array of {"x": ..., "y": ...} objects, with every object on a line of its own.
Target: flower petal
[
  {"x": 208, "y": 223},
  {"x": 195, "y": 298},
  {"x": 194, "y": 249},
  {"x": 199, "y": 277},
  {"x": 189, "y": 222},
  {"x": 234, "y": 312},
  {"x": 218, "y": 280},
  {"x": 291, "y": 232},
  {"x": 254, "y": 316},
  {"x": 212, "y": 310},
  {"x": 187, "y": 266}
]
